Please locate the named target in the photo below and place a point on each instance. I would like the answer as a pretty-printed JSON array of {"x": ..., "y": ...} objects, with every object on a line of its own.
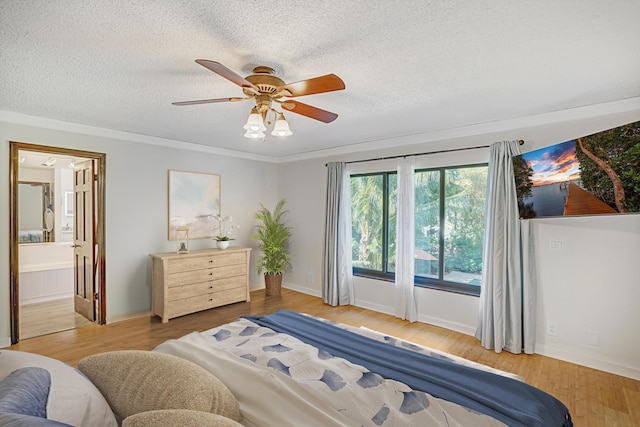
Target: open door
[
  {"x": 84, "y": 241},
  {"x": 90, "y": 262}
]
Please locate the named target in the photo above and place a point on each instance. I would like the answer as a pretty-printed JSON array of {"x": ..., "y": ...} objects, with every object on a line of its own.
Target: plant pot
[
  {"x": 273, "y": 283},
  {"x": 222, "y": 244}
]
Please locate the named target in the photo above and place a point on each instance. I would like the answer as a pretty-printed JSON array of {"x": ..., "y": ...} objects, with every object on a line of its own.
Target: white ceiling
[{"x": 410, "y": 66}]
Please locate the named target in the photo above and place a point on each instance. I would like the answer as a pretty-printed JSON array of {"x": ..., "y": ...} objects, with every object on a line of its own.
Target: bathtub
[{"x": 45, "y": 271}]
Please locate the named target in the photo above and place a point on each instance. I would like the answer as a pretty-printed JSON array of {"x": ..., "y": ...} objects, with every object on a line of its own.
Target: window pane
[
  {"x": 464, "y": 215},
  {"x": 366, "y": 221},
  {"x": 427, "y": 223},
  {"x": 392, "y": 202}
]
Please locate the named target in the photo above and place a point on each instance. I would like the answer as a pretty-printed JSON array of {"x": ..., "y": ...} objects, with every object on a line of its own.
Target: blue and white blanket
[
  {"x": 280, "y": 380},
  {"x": 513, "y": 402}
]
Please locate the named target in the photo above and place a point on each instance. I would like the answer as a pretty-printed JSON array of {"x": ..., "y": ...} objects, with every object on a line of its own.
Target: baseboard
[
  {"x": 435, "y": 321},
  {"x": 47, "y": 298},
  {"x": 128, "y": 316},
  {"x": 544, "y": 350},
  {"x": 374, "y": 307},
  {"x": 452, "y": 326},
  {"x": 588, "y": 361},
  {"x": 5, "y": 342},
  {"x": 302, "y": 289},
  {"x": 458, "y": 327}
]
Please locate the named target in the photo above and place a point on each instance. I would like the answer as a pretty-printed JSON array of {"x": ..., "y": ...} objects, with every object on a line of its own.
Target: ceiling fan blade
[
  {"x": 309, "y": 111},
  {"x": 209, "y": 101},
  {"x": 321, "y": 84},
  {"x": 228, "y": 74}
]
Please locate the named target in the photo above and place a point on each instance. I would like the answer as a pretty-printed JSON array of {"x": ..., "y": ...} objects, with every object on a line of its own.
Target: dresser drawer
[
  {"x": 203, "y": 288},
  {"x": 196, "y": 276},
  {"x": 194, "y": 263},
  {"x": 204, "y": 302}
]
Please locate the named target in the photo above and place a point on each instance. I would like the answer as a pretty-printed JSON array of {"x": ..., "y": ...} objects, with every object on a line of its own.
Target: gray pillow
[
  {"x": 25, "y": 391},
  {"x": 178, "y": 417},
  {"x": 135, "y": 381}
]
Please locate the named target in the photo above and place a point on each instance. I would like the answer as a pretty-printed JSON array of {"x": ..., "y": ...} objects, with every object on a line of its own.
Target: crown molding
[
  {"x": 578, "y": 113},
  {"x": 46, "y": 123}
]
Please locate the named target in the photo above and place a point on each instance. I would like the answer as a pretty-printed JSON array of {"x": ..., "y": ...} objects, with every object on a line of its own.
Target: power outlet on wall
[
  {"x": 556, "y": 244},
  {"x": 309, "y": 278},
  {"x": 552, "y": 328}
]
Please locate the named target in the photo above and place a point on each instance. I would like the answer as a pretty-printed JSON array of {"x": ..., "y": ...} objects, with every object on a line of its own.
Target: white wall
[
  {"x": 590, "y": 285},
  {"x": 591, "y": 288},
  {"x": 137, "y": 205}
]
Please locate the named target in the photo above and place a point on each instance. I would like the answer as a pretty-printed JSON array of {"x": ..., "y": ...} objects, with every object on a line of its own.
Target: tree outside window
[{"x": 449, "y": 226}]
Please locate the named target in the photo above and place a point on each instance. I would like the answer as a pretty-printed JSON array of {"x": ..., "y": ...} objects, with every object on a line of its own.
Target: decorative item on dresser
[
  {"x": 202, "y": 279},
  {"x": 182, "y": 240},
  {"x": 223, "y": 229}
]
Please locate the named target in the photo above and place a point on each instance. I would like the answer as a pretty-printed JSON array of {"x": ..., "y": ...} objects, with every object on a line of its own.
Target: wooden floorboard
[
  {"x": 594, "y": 398},
  {"x": 44, "y": 318}
]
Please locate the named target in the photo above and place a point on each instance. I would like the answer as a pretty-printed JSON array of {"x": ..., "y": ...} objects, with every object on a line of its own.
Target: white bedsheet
[{"x": 266, "y": 397}]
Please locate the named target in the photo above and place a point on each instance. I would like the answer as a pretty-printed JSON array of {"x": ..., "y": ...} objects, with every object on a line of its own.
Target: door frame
[{"x": 100, "y": 176}]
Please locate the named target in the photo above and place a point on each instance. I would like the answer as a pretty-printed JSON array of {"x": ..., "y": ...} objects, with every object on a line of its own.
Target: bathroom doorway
[{"x": 57, "y": 266}]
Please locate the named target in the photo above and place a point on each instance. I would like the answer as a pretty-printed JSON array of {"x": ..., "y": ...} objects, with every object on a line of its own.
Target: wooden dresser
[{"x": 199, "y": 280}]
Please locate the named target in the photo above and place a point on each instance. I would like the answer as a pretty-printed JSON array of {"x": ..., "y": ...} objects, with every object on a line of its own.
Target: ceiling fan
[{"x": 265, "y": 88}]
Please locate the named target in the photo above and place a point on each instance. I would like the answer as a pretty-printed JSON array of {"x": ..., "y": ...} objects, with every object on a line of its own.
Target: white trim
[
  {"x": 588, "y": 361},
  {"x": 46, "y": 298},
  {"x": 541, "y": 349},
  {"x": 43, "y": 122},
  {"x": 128, "y": 316},
  {"x": 302, "y": 289},
  {"x": 595, "y": 110},
  {"x": 587, "y": 111},
  {"x": 5, "y": 342}
]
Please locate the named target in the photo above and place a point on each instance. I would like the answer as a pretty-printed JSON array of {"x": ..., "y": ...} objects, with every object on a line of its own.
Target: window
[{"x": 449, "y": 226}]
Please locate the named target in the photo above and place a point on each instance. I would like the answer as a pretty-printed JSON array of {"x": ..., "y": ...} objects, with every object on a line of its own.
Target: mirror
[{"x": 35, "y": 212}]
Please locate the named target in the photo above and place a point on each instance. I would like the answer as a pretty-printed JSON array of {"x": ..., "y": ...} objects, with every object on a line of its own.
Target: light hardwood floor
[
  {"x": 44, "y": 318},
  {"x": 594, "y": 398}
]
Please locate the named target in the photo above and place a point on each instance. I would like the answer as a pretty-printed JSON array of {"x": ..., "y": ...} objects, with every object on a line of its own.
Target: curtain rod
[{"x": 520, "y": 142}]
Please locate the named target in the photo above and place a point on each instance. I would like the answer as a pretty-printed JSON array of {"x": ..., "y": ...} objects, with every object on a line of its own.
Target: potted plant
[
  {"x": 223, "y": 229},
  {"x": 273, "y": 236}
]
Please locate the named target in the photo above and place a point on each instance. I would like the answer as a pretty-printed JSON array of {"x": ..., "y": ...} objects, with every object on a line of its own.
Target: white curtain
[
  {"x": 405, "y": 241},
  {"x": 507, "y": 296},
  {"x": 337, "y": 274}
]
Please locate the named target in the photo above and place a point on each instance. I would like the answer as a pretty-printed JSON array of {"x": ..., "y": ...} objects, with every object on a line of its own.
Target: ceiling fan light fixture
[
  {"x": 254, "y": 122},
  {"x": 254, "y": 134},
  {"x": 281, "y": 127}
]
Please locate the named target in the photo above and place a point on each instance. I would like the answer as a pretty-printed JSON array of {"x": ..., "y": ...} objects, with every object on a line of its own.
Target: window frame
[{"x": 425, "y": 282}]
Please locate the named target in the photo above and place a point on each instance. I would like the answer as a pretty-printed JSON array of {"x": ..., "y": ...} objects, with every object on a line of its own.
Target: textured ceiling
[{"x": 410, "y": 67}]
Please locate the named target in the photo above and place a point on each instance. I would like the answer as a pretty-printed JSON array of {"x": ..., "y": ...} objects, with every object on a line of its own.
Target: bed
[{"x": 288, "y": 368}]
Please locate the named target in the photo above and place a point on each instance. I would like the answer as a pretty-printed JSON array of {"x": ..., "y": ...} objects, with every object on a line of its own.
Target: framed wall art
[
  {"x": 592, "y": 175},
  {"x": 194, "y": 201}
]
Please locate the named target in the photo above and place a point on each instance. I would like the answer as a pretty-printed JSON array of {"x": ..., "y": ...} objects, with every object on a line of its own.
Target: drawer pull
[
  {"x": 210, "y": 299},
  {"x": 211, "y": 287},
  {"x": 210, "y": 274},
  {"x": 210, "y": 261}
]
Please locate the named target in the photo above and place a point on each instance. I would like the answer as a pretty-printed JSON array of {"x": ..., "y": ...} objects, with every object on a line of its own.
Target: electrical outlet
[
  {"x": 552, "y": 328},
  {"x": 593, "y": 338},
  {"x": 309, "y": 277},
  {"x": 555, "y": 244}
]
